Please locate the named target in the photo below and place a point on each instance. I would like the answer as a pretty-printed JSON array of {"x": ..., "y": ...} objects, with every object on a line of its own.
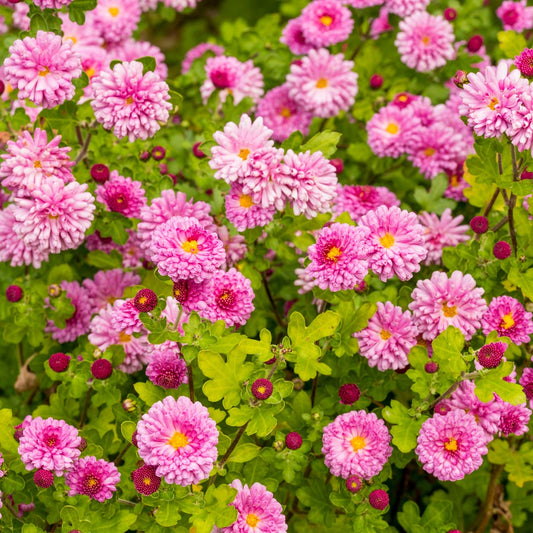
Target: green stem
[
  {"x": 281, "y": 322},
  {"x": 191, "y": 383},
  {"x": 488, "y": 505},
  {"x": 230, "y": 450},
  {"x": 451, "y": 389},
  {"x": 84, "y": 409},
  {"x": 122, "y": 453}
]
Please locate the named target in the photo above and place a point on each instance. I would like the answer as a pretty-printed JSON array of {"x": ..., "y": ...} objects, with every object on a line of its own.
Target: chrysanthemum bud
[
  {"x": 278, "y": 445},
  {"x": 196, "y": 150},
  {"x": 475, "y": 43},
  {"x": 129, "y": 405},
  {"x": 490, "y": 355},
  {"x": 101, "y": 369},
  {"x": 54, "y": 290},
  {"x": 450, "y": 14},
  {"x": 43, "y": 478},
  {"x": 14, "y": 293},
  {"x": 293, "y": 440},
  {"x": 378, "y": 499},
  {"x": 460, "y": 78},
  {"x": 145, "y": 301},
  {"x": 479, "y": 224},
  {"x": 145, "y": 480},
  {"x": 354, "y": 484},
  {"x": 338, "y": 164},
  {"x": 501, "y": 250},
  {"x": 376, "y": 81},
  {"x": 349, "y": 393},
  {"x": 144, "y": 155},
  {"x": 431, "y": 367},
  {"x": 59, "y": 361},
  {"x": 158, "y": 153},
  {"x": 100, "y": 173}
]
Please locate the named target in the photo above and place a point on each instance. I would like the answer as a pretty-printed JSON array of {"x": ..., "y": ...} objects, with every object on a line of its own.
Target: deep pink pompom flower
[
  {"x": 42, "y": 69},
  {"x": 356, "y": 443},
  {"x": 326, "y": 22},
  {"x": 524, "y": 62},
  {"x": 443, "y": 301},
  {"x": 490, "y": 355},
  {"x": 293, "y": 36},
  {"x": 243, "y": 212},
  {"x": 129, "y": 102},
  {"x": 50, "y": 444},
  {"x": 197, "y": 52},
  {"x": 179, "y": 438},
  {"x": 513, "y": 419},
  {"x": 93, "y": 477},
  {"x": 425, "y": 42},
  {"x": 507, "y": 316},
  {"x": 183, "y": 249},
  {"x": 323, "y": 84},
  {"x": 339, "y": 257},
  {"x": 396, "y": 240},
  {"x": 258, "y": 510},
  {"x": 357, "y": 200},
  {"x": 165, "y": 367},
  {"x": 515, "y": 15},
  {"x": 55, "y": 216},
  {"x": 378, "y": 499},
  {"x": 116, "y": 20},
  {"x": 388, "y": 338},
  {"x": 122, "y": 195},
  {"x": 451, "y": 446}
]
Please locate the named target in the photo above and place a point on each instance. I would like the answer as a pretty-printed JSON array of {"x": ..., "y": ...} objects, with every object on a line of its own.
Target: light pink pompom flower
[
  {"x": 129, "y": 102},
  {"x": 122, "y": 195},
  {"x": 357, "y": 200},
  {"x": 93, "y": 477},
  {"x": 361, "y": 4},
  {"x": 230, "y": 298},
  {"x": 32, "y": 159},
  {"x": 108, "y": 286},
  {"x": 166, "y": 367},
  {"x": 339, "y": 257},
  {"x": 356, "y": 444},
  {"x": 183, "y": 249},
  {"x": 312, "y": 181},
  {"x": 404, "y": 8},
  {"x": 50, "y": 444},
  {"x": 179, "y": 438},
  {"x": 388, "y": 338},
  {"x": 441, "y": 233},
  {"x": 243, "y": 212},
  {"x": 507, "y": 316},
  {"x": 515, "y": 15},
  {"x": 451, "y": 446},
  {"x": 42, "y": 69},
  {"x": 125, "y": 318},
  {"x": 116, "y": 20},
  {"x": 258, "y": 510},
  {"x": 440, "y": 302},
  {"x": 396, "y": 240},
  {"x": 323, "y": 84},
  {"x": 55, "y": 217},
  {"x": 293, "y": 36},
  {"x": 326, "y": 22},
  {"x": 130, "y": 49},
  {"x": 282, "y": 114},
  {"x": 197, "y": 52},
  {"x": 425, "y": 42},
  {"x": 235, "y": 144}
]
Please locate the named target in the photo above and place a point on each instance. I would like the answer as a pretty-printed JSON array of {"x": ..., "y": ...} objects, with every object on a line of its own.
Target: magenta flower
[
  {"x": 108, "y": 286},
  {"x": 451, "y": 446},
  {"x": 116, "y": 20},
  {"x": 243, "y": 212},
  {"x": 326, "y": 22},
  {"x": 197, "y": 52},
  {"x": 507, "y": 316},
  {"x": 396, "y": 242},
  {"x": 356, "y": 443},
  {"x": 514, "y": 419},
  {"x": 293, "y": 36},
  {"x": 122, "y": 195},
  {"x": 357, "y": 200},
  {"x": 526, "y": 380},
  {"x": 93, "y": 477},
  {"x": 129, "y": 102},
  {"x": 183, "y": 249},
  {"x": 323, "y": 84},
  {"x": 165, "y": 367},
  {"x": 258, "y": 510},
  {"x": 50, "y": 444},
  {"x": 339, "y": 257},
  {"x": 388, "y": 338},
  {"x": 440, "y": 302},
  {"x": 425, "y": 42},
  {"x": 42, "y": 69},
  {"x": 515, "y": 15},
  {"x": 179, "y": 438}
]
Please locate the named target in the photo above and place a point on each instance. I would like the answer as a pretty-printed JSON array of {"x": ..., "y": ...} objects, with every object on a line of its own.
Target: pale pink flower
[
  {"x": 507, "y": 316},
  {"x": 108, "y": 286},
  {"x": 326, "y": 22},
  {"x": 197, "y": 52},
  {"x": 84, "y": 38},
  {"x": 357, "y": 200},
  {"x": 234, "y": 245},
  {"x": 116, "y": 20},
  {"x": 293, "y": 36},
  {"x": 380, "y": 24},
  {"x": 243, "y": 212},
  {"x": 404, "y": 8},
  {"x": 130, "y": 49}
]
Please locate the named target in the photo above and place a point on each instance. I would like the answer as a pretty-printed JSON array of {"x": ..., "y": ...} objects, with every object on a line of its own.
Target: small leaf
[
  {"x": 244, "y": 453},
  {"x": 324, "y": 141},
  {"x": 148, "y": 62}
]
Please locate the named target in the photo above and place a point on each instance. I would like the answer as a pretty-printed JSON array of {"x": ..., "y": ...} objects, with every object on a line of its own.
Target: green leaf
[
  {"x": 9, "y": 444},
  {"x": 167, "y": 514},
  {"x": 127, "y": 428},
  {"x": 244, "y": 453},
  {"x": 149, "y": 393},
  {"x": 511, "y": 43},
  {"x": 447, "y": 348},
  {"x": 104, "y": 261},
  {"x": 492, "y": 381},
  {"x": 517, "y": 463},
  {"x": 118, "y": 523},
  {"x": 405, "y": 429},
  {"x": 523, "y": 280},
  {"x": 324, "y": 141},
  {"x": 148, "y": 62}
]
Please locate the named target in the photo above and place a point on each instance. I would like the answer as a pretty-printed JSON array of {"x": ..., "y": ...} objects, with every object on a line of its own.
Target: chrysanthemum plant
[{"x": 239, "y": 295}]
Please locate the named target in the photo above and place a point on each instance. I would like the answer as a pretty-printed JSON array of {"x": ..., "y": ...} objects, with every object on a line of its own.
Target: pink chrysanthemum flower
[
  {"x": 234, "y": 245},
  {"x": 130, "y": 49},
  {"x": 524, "y": 62},
  {"x": 78, "y": 323},
  {"x": 425, "y": 42},
  {"x": 312, "y": 181},
  {"x": 357, "y": 200},
  {"x": 323, "y": 84},
  {"x": 491, "y": 97},
  {"x": 122, "y": 195},
  {"x": 197, "y": 52},
  {"x": 388, "y": 338},
  {"x": 404, "y": 8},
  {"x": 515, "y": 15},
  {"x": 125, "y": 318},
  {"x": 326, "y": 22},
  {"x": 457, "y": 184},
  {"x": 526, "y": 380},
  {"x": 116, "y": 20},
  {"x": 31, "y": 160},
  {"x": 451, "y": 446},
  {"x": 520, "y": 128},
  {"x": 228, "y": 75},
  {"x": 338, "y": 259},
  {"x": 180, "y": 5},
  {"x": 42, "y": 69},
  {"x": 183, "y": 249},
  {"x": 507, "y": 316},
  {"x": 55, "y": 217},
  {"x": 380, "y": 24},
  {"x": 94, "y": 60},
  {"x": 166, "y": 368},
  {"x": 440, "y": 302},
  {"x": 230, "y": 298},
  {"x": 441, "y": 233},
  {"x": 282, "y": 114},
  {"x": 513, "y": 419},
  {"x": 52, "y": 4},
  {"x": 293, "y": 36},
  {"x": 50, "y": 444},
  {"x": 235, "y": 145},
  {"x": 243, "y": 212},
  {"x": 21, "y": 19},
  {"x": 93, "y": 477},
  {"x": 168, "y": 205},
  {"x": 356, "y": 443},
  {"x": 258, "y": 511},
  {"x": 129, "y": 102},
  {"x": 396, "y": 240},
  {"x": 390, "y": 131},
  {"x": 305, "y": 281},
  {"x": 83, "y": 37},
  {"x": 108, "y": 286},
  {"x": 179, "y": 438}
]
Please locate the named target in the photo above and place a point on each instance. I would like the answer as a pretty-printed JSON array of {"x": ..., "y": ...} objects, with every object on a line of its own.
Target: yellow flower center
[
  {"x": 178, "y": 440},
  {"x": 37, "y": 164},
  {"x": 387, "y": 240},
  {"x": 90, "y": 72},
  {"x": 449, "y": 310},
  {"x": 92, "y": 481},
  {"x": 454, "y": 180},
  {"x": 451, "y": 445},
  {"x": 426, "y": 40},
  {"x": 252, "y": 520},
  {"x": 190, "y": 247},
  {"x": 384, "y": 334},
  {"x": 285, "y": 112},
  {"x": 143, "y": 300},
  {"x": 244, "y": 153},
  {"x": 246, "y": 201},
  {"x": 392, "y": 128},
  {"x": 261, "y": 389},
  {"x": 507, "y": 321},
  {"x": 147, "y": 481},
  {"x": 326, "y": 20},
  {"x": 53, "y": 217},
  {"x": 493, "y": 103},
  {"x": 322, "y": 83},
  {"x": 358, "y": 443},
  {"x": 334, "y": 254},
  {"x": 429, "y": 152},
  {"x": 114, "y": 11},
  {"x": 124, "y": 337},
  {"x": 129, "y": 100},
  {"x": 44, "y": 72}
]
